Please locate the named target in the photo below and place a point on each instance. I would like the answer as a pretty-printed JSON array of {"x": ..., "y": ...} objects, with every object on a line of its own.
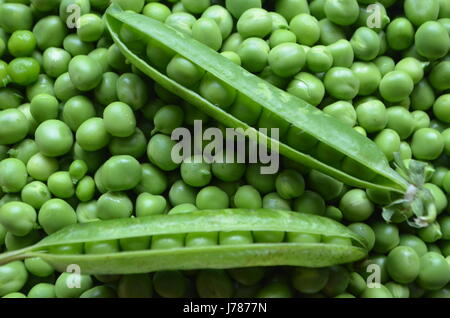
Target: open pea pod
[
  {"x": 217, "y": 256},
  {"x": 366, "y": 166}
]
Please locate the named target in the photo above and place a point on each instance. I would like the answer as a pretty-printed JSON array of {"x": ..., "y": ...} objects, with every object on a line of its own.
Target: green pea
[
  {"x": 113, "y": 205},
  {"x": 56, "y": 214},
  {"x": 170, "y": 284},
  {"x": 439, "y": 76},
  {"x": 419, "y": 12},
  {"x": 254, "y": 22},
  {"x": 372, "y": 115},
  {"x": 310, "y": 202},
  {"x": 67, "y": 249},
  {"x": 309, "y": 280},
  {"x": 264, "y": 183},
  {"x": 432, "y": 49},
  {"x": 61, "y": 185},
  {"x": 366, "y": 43},
  {"x": 120, "y": 173},
  {"x": 233, "y": 42},
  {"x": 44, "y": 107},
  {"x": 18, "y": 218},
  {"x": 13, "y": 277},
  {"x": 84, "y": 72},
  {"x": 153, "y": 180},
  {"x": 254, "y": 54},
  {"x": 281, "y": 36},
  {"x": 368, "y": 75},
  {"x": 14, "y": 126},
  {"x": 389, "y": 142},
  {"x": 149, "y": 204},
  {"x": 133, "y": 5},
  {"x": 13, "y": 175},
  {"x": 287, "y": 59},
  {"x": 99, "y": 292},
  {"x": 13, "y": 242},
  {"x": 430, "y": 234},
  {"x": 403, "y": 264},
  {"x": 247, "y": 197},
  {"x": 342, "y": 53},
  {"x": 40, "y": 167},
  {"x": 54, "y": 138},
  {"x": 434, "y": 271},
  {"x": 291, "y": 8},
  {"x": 38, "y": 267},
  {"x": 212, "y": 197},
  {"x": 377, "y": 292},
  {"x": 101, "y": 247},
  {"x": 236, "y": 7},
  {"x": 49, "y": 32},
  {"x": 21, "y": 43},
  {"x": 167, "y": 241},
  {"x": 87, "y": 212},
  {"x": 400, "y": 34},
  {"x": 341, "y": 83},
  {"x": 307, "y": 87},
  {"x": 386, "y": 237},
  {"x": 202, "y": 239},
  {"x": 342, "y": 12},
  {"x": 65, "y": 281},
  {"x": 181, "y": 193},
  {"x": 42, "y": 290},
  {"x": 35, "y": 194},
  {"x": 184, "y": 71},
  {"x": 306, "y": 29},
  {"x": 92, "y": 134},
  {"x": 356, "y": 206},
  {"x": 275, "y": 290},
  {"x": 156, "y": 11},
  {"x": 23, "y": 70},
  {"x": 289, "y": 184},
  {"x": 15, "y": 16},
  {"x": 206, "y": 31},
  {"x": 328, "y": 187},
  {"x": 432, "y": 139},
  {"x": 64, "y": 89},
  {"x": 222, "y": 17},
  {"x": 106, "y": 91},
  {"x": 343, "y": 111},
  {"x": 213, "y": 283},
  {"x": 131, "y": 89},
  {"x": 135, "y": 286},
  {"x": 64, "y": 7},
  {"x": 216, "y": 91},
  {"x": 91, "y": 27},
  {"x": 235, "y": 238},
  {"x": 55, "y": 61},
  {"x": 116, "y": 59}
]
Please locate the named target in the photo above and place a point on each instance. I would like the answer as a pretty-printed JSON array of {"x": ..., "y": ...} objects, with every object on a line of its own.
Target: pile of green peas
[{"x": 84, "y": 136}]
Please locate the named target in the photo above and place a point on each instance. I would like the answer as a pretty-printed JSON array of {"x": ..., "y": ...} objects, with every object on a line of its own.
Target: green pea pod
[
  {"x": 289, "y": 110},
  {"x": 218, "y": 256}
]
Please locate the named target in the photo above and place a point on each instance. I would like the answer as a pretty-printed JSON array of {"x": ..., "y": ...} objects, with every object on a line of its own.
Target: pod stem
[
  {"x": 417, "y": 205},
  {"x": 14, "y": 255}
]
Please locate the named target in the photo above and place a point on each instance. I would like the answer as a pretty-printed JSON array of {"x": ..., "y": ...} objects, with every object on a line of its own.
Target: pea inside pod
[
  {"x": 276, "y": 107},
  {"x": 334, "y": 243}
]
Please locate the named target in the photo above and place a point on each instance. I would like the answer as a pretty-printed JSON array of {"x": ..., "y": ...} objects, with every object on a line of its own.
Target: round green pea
[
  {"x": 56, "y": 214},
  {"x": 14, "y": 126},
  {"x": 54, "y": 138},
  {"x": 92, "y": 135},
  {"x": 287, "y": 59},
  {"x": 85, "y": 73},
  {"x": 114, "y": 205},
  {"x": 120, "y": 173}
]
